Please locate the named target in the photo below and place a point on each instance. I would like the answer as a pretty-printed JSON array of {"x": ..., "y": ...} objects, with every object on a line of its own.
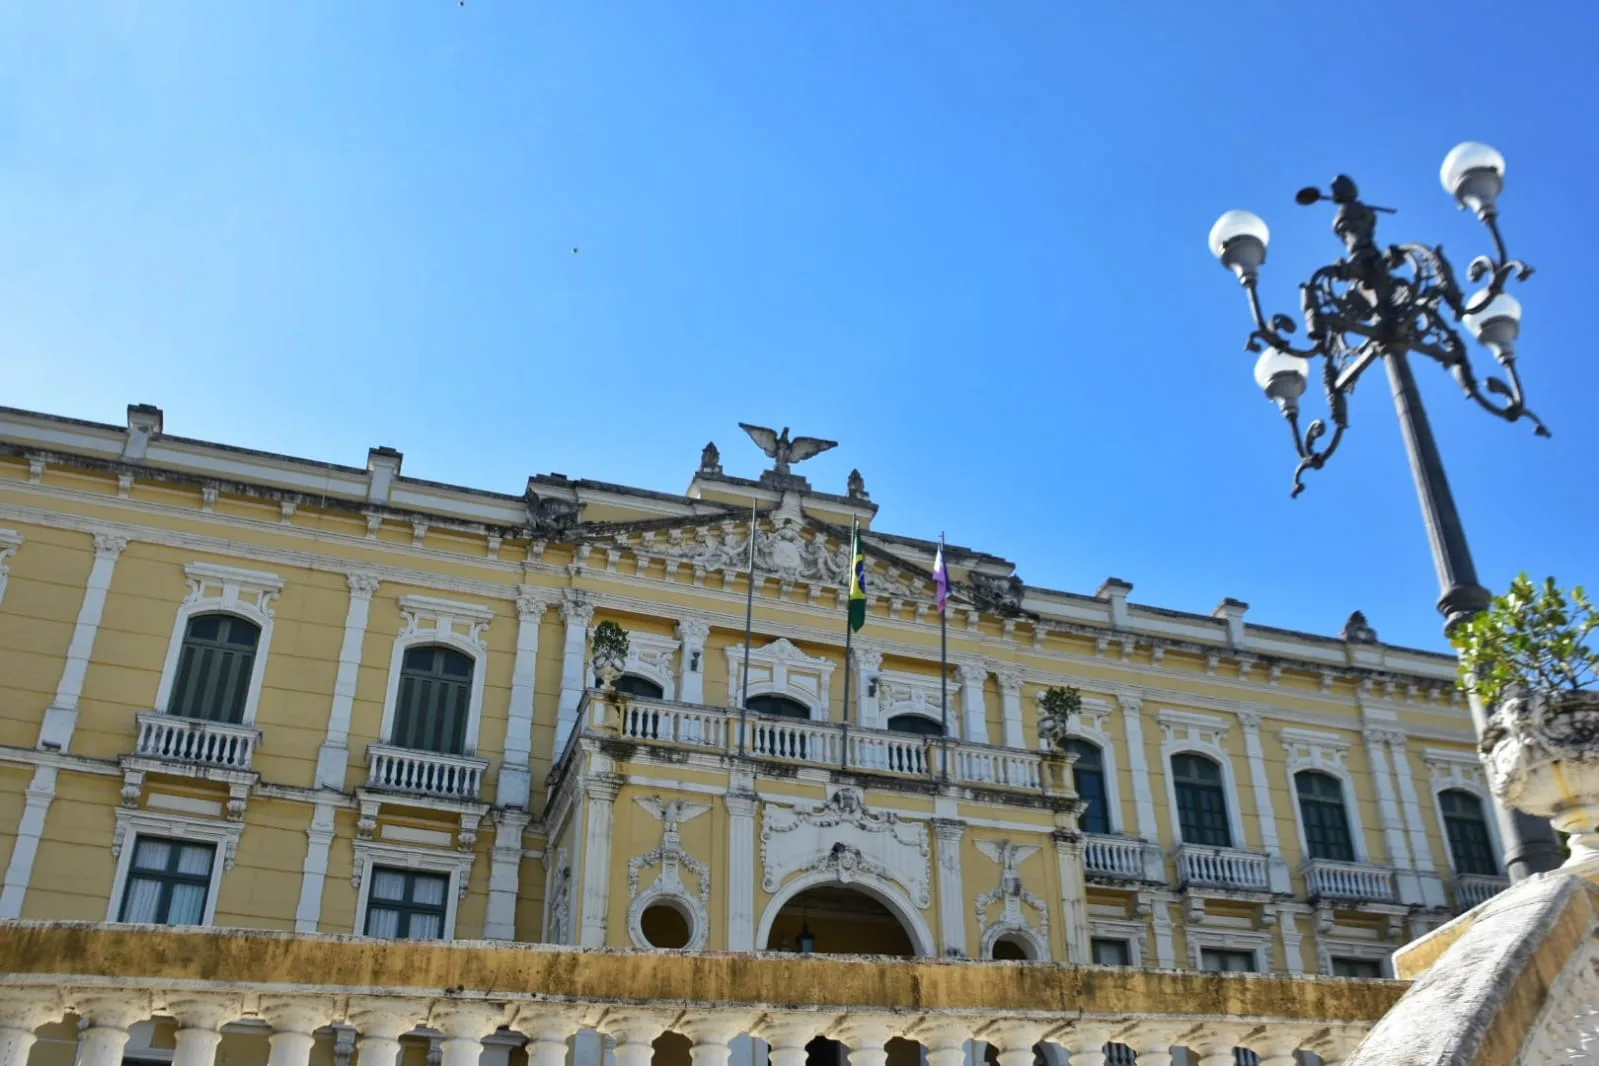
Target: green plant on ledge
[
  {"x": 609, "y": 653},
  {"x": 1534, "y": 637},
  {"x": 1058, "y": 704}
]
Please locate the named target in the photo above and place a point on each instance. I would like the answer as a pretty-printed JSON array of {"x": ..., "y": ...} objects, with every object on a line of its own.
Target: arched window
[
  {"x": 1010, "y": 949},
  {"x": 634, "y": 685},
  {"x": 915, "y": 723},
  {"x": 435, "y": 696},
  {"x": 1321, "y": 807},
  {"x": 1201, "y": 801},
  {"x": 778, "y": 706},
  {"x": 1088, "y": 778},
  {"x": 1469, "y": 843},
  {"x": 214, "y": 668}
]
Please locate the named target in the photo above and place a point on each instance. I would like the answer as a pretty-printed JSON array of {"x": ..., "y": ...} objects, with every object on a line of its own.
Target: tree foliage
[{"x": 1533, "y": 635}]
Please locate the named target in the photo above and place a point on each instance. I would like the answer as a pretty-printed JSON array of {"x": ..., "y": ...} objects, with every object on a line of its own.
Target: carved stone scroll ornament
[
  {"x": 845, "y": 839},
  {"x": 1010, "y": 895},
  {"x": 1541, "y": 754},
  {"x": 672, "y": 859}
]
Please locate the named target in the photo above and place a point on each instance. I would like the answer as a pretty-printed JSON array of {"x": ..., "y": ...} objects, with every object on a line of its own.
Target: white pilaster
[
  {"x": 599, "y": 792},
  {"x": 505, "y": 874},
  {"x": 692, "y": 633},
  {"x": 741, "y": 808},
  {"x": 30, "y": 829},
  {"x": 61, "y": 717},
  {"x": 313, "y": 876},
  {"x": 1069, "y": 859},
  {"x": 973, "y": 706},
  {"x": 333, "y": 760},
  {"x": 10, "y": 541},
  {"x": 1138, "y": 768},
  {"x": 577, "y": 611},
  {"x": 1393, "y": 830},
  {"x": 947, "y": 832},
  {"x": 1010, "y": 691},
  {"x": 1288, "y": 932},
  {"x": 516, "y": 776},
  {"x": 1165, "y": 946},
  {"x": 1432, "y": 887},
  {"x": 1265, "y": 809},
  {"x": 868, "y": 668}
]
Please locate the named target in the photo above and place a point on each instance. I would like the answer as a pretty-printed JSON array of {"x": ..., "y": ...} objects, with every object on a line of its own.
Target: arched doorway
[{"x": 834, "y": 919}]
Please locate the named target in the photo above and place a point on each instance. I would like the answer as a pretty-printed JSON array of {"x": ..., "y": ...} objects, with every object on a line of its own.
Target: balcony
[
  {"x": 1226, "y": 868},
  {"x": 824, "y": 744},
  {"x": 1472, "y": 889},
  {"x": 1326, "y": 879},
  {"x": 1118, "y": 858},
  {"x": 425, "y": 773},
  {"x": 170, "y": 738}
]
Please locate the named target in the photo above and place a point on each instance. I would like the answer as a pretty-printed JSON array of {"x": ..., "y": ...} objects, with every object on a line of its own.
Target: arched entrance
[{"x": 835, "y": 919}]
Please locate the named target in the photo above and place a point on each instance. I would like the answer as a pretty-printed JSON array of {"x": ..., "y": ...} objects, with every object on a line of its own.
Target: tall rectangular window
[
  {"x": 1201, "y": 801},
  {"x": 1321, "y": 808},
  {"x": 1088, "y": 778},
  {"x": 168, "y": 882},
  {"x": 1367, "y": 968},
  {"x": 406, "y": 906},
  {"x": 1109, "y": 952}
]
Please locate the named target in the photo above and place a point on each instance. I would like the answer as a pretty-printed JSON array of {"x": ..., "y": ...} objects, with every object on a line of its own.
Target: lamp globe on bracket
[
  {"x": 1282, "y": 377},
  {"x": 1474, "y": 174},
  {"x": 1239, "y": 240}
]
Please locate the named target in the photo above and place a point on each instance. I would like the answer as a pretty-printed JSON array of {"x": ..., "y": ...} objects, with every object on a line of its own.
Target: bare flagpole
[
  {"x": 943, "y": 659},
  {"x": 749, "y": 620},
  {"x": 849, "y": 630}
]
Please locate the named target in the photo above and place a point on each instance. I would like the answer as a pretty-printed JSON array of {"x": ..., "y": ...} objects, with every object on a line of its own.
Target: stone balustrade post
[
  {"x": 106, "y": 1018},
  {"x": 945, "y": 1041},
  {"x": 200, "y": 1020},
  {"x": 547, "y": 1030},
  {"x": 786, "y": 1037},
  {"x": 464, "y": 1025},
  {"x": 23, "y": 1011},
  {"x": 294, "y": 1023},
  {"x": 712, "y": 1036},
  {"x": 1014, "y": 1041},
  {"x": 867, "y": 1039},
  {"x": 634, "y": 1033},
  {"x": 1086, "y": 1045},
  {"x": 1214, "y": 1045},
  {"x": 380, "y": 1022}
]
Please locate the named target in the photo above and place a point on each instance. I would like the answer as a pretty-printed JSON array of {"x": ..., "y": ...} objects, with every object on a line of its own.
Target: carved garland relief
[{"x": 845, "y": 840}]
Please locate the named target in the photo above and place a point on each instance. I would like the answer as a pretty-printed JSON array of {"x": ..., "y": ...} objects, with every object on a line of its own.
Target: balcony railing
[
  {"x": 829, "y": 744},
  {"x": 1121, "y": 858},
  {"x": 425, "y": 773},
  {"x": 1357, "y": 881},
  {"x": 1222, "y": 868},
  {"x": 1472, "y": 889},
  {"x": 173, "y": 738}
]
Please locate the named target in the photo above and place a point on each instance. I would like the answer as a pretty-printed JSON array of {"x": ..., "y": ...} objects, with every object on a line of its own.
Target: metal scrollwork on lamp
[{"x": 1380, "y": 302}]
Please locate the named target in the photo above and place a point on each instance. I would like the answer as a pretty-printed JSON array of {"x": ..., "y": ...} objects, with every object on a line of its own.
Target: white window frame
[
  {"x": 1462, "y": 770},
  {"x": 651, "y": 656},
  {"x": 427, "y": 620},
  {"x": 455, "y": 865},
  {"x": 1326, "y": 753},
  {"x": 10, "y": 541},
  {"x": 132, "y": 824},
  {"x": 1090, "y": 726},
  {"x": 1128, "y": 930},
  {"x": 1191, "y": 733},
  {"x": 1222, "y": 938},
  {"x": 1328, "y": 946},
  {"x": 782, "y": 661},
  {"x": 922, "y": 687},
  {"x": 215, "y": 589}
]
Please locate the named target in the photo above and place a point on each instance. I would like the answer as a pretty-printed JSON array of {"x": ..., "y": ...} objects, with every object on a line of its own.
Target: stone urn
[
  {"x": 1541, "y": 754},
  {"x": 607, "y": 667}
]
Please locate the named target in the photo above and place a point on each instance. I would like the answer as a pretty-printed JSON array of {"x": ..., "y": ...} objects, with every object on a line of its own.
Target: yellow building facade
[{"x": 240, "y": 689}]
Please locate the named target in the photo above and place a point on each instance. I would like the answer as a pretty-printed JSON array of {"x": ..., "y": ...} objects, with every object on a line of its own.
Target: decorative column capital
[
  {"x": 203, "y": 1010},
  {"x": 104, "y": 1008},
  {"x": 1250, "y": 720},
  {"x": 1011, "y": 1035},
  {"x": 385, "y": 1017},
  {"x": 465, "y": 1020},
  {"x": 26, "y": 1009},
  {"x": 295, "y": 1014},
  {"x": 948, "y": 830},
  {"x": 1010, "y": 678},
  {"x": 109, "y": 545},
  {"x": 576, "y": 607},
  {"x": 868, "y": 660},
  {"x": 635, "y": 1026},
  {"x": 716, "y": 1027},
  {"x": 1132, "y": 705},
  {"x": 602, "y": 788},
  {"x": 789, "y": 1030},
  {"x": 532, "y": 601},
  {"x": 362, "y": 585},
  {"x": 972, "y": 673},
  {"x": 693, "y": 631},
  {"x": 742, "y": 804},
  {"x": 867, "y": 1031}
]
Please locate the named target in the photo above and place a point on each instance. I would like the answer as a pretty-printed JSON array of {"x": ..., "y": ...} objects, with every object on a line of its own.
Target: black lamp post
[{"x": 1386, "y": 304}]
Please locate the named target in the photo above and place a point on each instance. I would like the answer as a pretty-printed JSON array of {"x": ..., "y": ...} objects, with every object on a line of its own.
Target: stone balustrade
[
  {"x": 110, "y": 977},
  {"x": 1473, "y": 889},
  {"x": 174, "y": 738},
  {"x": 1119, "y": 858},
  {"x": 1331, "y": 880},
  {"x": 1228, "y": 868},
  {"x": 425, "y": 773}
]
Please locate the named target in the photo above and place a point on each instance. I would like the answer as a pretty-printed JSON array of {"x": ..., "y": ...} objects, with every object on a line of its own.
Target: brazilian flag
[{"x": 857, "y": 583}]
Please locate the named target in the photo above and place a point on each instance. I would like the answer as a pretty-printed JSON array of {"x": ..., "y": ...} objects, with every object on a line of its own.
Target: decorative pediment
[
  {"x": 783, "y": 669},
  {"x": 901, "y": 692},
  {"x": 841, "y": 837}
]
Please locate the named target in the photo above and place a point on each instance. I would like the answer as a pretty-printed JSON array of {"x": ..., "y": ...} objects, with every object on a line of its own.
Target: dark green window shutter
[
  {"x": 1201, "y": 801},
  {"x": 214, "y": 668},
  {"x": 434, "y": 699},
  {"x": 1321, "y": 806},
  {"x": 1469, "y": 844},
  {"x": 1088, "y": 777}
]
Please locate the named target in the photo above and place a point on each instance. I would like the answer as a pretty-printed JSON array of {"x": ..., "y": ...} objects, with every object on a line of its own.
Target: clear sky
[{"x": 965, "y": 240}]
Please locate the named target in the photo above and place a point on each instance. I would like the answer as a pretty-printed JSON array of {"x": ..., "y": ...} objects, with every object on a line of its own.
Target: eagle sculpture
[{"x": 783, "y": 450}]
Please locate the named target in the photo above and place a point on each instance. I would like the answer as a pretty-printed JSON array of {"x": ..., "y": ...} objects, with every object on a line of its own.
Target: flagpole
[
  {"x": 849, "y": 630},
  {"x": 749, "y": 621},
  {"x": 943, "y": 659}
]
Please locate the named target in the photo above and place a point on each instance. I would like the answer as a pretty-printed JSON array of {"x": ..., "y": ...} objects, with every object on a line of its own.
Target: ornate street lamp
[{"x": 1379, "y": 303}]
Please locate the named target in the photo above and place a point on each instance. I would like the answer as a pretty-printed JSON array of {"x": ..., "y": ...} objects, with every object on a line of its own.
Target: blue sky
[{"x": 967, "y": 241}]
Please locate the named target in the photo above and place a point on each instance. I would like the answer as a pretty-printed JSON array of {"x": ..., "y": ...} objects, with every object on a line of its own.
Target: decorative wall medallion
[
  {"x": 668, "y": 886},
  {"x": 848, "y": 841}
]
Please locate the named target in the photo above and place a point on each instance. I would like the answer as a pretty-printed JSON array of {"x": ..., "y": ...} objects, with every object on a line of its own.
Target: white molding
[
  {"x": 1325, "y": 753},
  {"x": 131, "y": 825},
  {"x": 10, "y": 541},
  {"x": 1199, "y": 734},
  {"x": 1328, "y": 945},
  {"x": 782, "y": 669},
  {"x": 426, "y": 620},
  {"x": 333, "y": 759},
  {"x": 61, "y": 716},
  {"x": 25, "y": 848},
  {"x": 905, "y": 692},
  {"x": 1131, "y": 931},
  {"x": 455, "y": 865},
  {"x": 1258, "y": 941},
  {"x": 213, "y": 589},
  {"x": 652, "y": 657},
  {"x": 313, "y": 874},
  {"x": 1462, "y": 772}
]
